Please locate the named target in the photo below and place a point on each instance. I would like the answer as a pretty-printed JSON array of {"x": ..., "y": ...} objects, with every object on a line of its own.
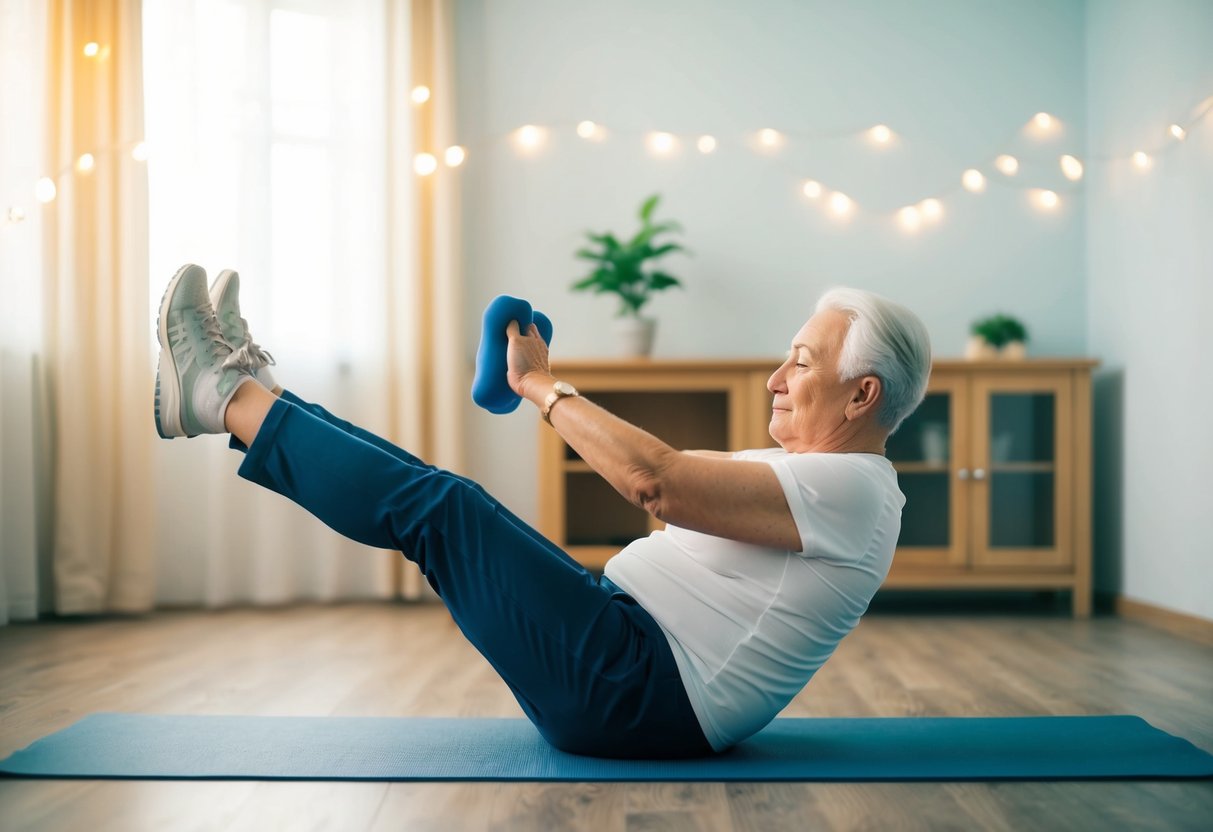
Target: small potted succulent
[
  {"x": 628, "y": 270},
  {"x": 997, "y": 336}
]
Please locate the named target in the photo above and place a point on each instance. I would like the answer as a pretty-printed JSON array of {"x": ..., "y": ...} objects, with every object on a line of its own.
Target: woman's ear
[{"x": 865, "y": 397}]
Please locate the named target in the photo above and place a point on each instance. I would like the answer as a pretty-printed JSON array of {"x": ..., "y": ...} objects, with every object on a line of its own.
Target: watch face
[{"x": 565, "y": 388}]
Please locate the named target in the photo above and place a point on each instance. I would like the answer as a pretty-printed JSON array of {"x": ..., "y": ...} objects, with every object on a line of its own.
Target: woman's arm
[{"x": 734, "y": 499}]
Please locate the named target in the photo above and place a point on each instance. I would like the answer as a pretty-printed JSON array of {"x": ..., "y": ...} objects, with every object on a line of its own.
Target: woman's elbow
[
  {"x": 652, "y": 486},
  {"x": 646, "y": 491}
]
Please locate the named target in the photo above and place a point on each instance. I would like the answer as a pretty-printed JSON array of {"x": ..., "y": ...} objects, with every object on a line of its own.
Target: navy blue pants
[{"x": 589, "y": 666}]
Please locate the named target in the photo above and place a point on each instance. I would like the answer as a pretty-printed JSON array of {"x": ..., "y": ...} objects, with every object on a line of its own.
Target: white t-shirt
[{"x": 750, "y": 625}]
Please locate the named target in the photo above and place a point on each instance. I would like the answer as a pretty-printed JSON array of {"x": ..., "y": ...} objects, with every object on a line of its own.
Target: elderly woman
[{"x": 696, "y": 636}]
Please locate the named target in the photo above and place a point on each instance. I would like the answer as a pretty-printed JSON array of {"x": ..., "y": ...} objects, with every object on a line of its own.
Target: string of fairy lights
[
  {"x": 1002, "y": 168},
  {"x": 530, "y": 140}
]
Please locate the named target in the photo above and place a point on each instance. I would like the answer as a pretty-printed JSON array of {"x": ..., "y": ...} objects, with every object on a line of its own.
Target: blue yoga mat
[{"x": 365, "y": 748}]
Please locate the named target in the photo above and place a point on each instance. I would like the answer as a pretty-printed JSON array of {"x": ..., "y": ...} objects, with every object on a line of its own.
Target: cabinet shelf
[{"x": 1022, "y": 468}]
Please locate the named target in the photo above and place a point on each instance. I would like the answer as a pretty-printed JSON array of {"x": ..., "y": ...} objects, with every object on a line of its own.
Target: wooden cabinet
[
  {"x": 996, "y": 469},
  {"x": 995, "y": 465}
]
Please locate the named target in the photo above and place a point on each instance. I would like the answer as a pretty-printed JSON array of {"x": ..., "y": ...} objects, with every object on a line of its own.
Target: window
[{"x": 266, "y": 125}]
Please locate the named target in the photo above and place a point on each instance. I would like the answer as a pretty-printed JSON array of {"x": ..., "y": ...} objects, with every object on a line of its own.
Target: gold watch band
[{"x": 560, "y": 390}]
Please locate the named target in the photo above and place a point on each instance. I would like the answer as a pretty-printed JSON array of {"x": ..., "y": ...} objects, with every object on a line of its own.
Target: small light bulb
[
  {"x": 706, "y": 144},
  {"x": 909, "y": 218},
  {"x": 16, "y": 214},
  {"x": 587, "y": 129},
  {"x": 881, "y": 134},
  {"x": 139, "y": 152},
  {"x": 1050, "y": 199},
  {"x": 425, "y": 164},
  {"x": 1008, "y": 165},
  {"x": 1043, "y": 121},
  {"x": 1142, "y": 160},
  {"x": 529, "y": 137},
  {"x": 769, "y": 137},
  {"x": 86, "y": 163},
  {"x": 841, "y": 204},
  {"x": 420, "y": 94},
  {"x": 973, "y": 181},
  {"x": 1071, "y": 168},
  {"x": 812, "y": 189},
  {"x": 454, "y": 156},
  {"x": 91, "y": 49},
  {"x": 931, "y": 209},
  {"x": 45, "y": 190},
  {"x": 661, "y": 143},
  {"x": 1045, "y": 200},
  {"x": 1178, "y": 132}
]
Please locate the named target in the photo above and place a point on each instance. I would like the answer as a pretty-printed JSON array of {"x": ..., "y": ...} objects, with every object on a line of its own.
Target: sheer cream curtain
[
  {"x": 74, "y": 448},
  {"x": 430, "y": 370},
  {"x": 94, "y": 281},
  {"x": 281, "y": 135},
  {"x": 24, "y": 456}
]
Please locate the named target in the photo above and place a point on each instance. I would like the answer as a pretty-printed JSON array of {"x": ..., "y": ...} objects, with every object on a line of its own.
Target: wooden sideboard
[{"x": 995, "y": 465}]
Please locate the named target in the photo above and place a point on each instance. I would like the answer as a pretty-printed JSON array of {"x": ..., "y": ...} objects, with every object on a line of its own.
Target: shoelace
[
  {"x": 216, "y": 346},
  {"x": 249, "y": 356},
  {"x": 213, "y": 343}
]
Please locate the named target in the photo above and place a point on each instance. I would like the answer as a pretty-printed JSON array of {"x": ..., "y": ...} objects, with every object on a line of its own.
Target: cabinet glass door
[
  {"x": 924, "y": 452},
  {"x": 1021, "y": 484}
]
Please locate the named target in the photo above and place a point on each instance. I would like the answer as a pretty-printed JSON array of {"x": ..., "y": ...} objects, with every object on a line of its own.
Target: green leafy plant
[
  {"x": 626, "y": 268},
  {"x": 998, "y": 330}
]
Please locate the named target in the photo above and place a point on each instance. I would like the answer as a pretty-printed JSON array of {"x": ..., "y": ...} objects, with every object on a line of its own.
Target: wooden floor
[{"x": 397, "y": 659}]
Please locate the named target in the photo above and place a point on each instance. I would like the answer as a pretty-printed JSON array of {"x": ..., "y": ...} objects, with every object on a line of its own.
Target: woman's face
[{"x": 809, "y": 409}]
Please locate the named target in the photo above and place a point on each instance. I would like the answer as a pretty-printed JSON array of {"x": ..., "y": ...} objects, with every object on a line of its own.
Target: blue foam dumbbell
[{"x": 490, "y": 389}]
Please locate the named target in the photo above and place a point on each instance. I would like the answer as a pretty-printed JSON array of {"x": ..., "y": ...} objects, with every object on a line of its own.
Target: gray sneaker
[
  {"x": 197, "y": 374},
  {"x": 225, "y": 297}
]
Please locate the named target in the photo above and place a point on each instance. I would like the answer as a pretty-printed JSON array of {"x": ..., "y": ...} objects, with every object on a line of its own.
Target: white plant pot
[
  {"x": 1015, "y": 350},
  {"x": 979, "y": 349},
  {"x": 634, "y": 336}
]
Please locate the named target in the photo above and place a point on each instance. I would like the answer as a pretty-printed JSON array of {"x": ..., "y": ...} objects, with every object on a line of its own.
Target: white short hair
[{"x": 887, "y": 340}]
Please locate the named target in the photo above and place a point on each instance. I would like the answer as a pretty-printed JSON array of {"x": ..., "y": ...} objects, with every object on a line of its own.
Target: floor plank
[{"x": 400, "y": 659}]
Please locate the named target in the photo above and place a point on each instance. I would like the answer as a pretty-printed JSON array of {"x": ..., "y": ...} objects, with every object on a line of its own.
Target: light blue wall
[
  {"x": 1150, "y": 300},
  {"x": 956, "y": 79}
]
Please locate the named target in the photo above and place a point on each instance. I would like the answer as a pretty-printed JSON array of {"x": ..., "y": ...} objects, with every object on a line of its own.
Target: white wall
[
  {"x": 1150, "y": 300},
  {"x": 956, "y": 79}
]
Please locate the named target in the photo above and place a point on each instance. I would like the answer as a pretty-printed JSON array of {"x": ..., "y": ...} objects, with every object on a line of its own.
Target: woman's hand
[{"x": 526, "y": 359}]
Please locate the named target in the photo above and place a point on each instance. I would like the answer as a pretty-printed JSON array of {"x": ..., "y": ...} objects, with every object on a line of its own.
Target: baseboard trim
[{"x": 1181, "y": 624}]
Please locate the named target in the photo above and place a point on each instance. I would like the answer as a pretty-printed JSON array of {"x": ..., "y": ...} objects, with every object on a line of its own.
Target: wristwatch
[{"x": 560, "y": 390}]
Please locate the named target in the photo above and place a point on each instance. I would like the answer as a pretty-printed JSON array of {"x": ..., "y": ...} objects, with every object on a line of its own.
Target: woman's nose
[{"x": 775, "y": 382}]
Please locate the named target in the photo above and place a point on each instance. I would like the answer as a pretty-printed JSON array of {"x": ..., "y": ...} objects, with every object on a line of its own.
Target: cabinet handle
[
  {"x": 962, "y": 474},
  {"x": 979, "y": 474}
]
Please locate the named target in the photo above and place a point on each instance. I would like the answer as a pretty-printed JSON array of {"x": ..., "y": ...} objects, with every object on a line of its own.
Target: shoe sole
[{"x": 168, "y": 388}]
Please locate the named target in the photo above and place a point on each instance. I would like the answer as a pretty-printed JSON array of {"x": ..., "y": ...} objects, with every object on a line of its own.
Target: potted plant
[
  {"x": 997, "y": 335},
  {"x": 629, "y": 271}
]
